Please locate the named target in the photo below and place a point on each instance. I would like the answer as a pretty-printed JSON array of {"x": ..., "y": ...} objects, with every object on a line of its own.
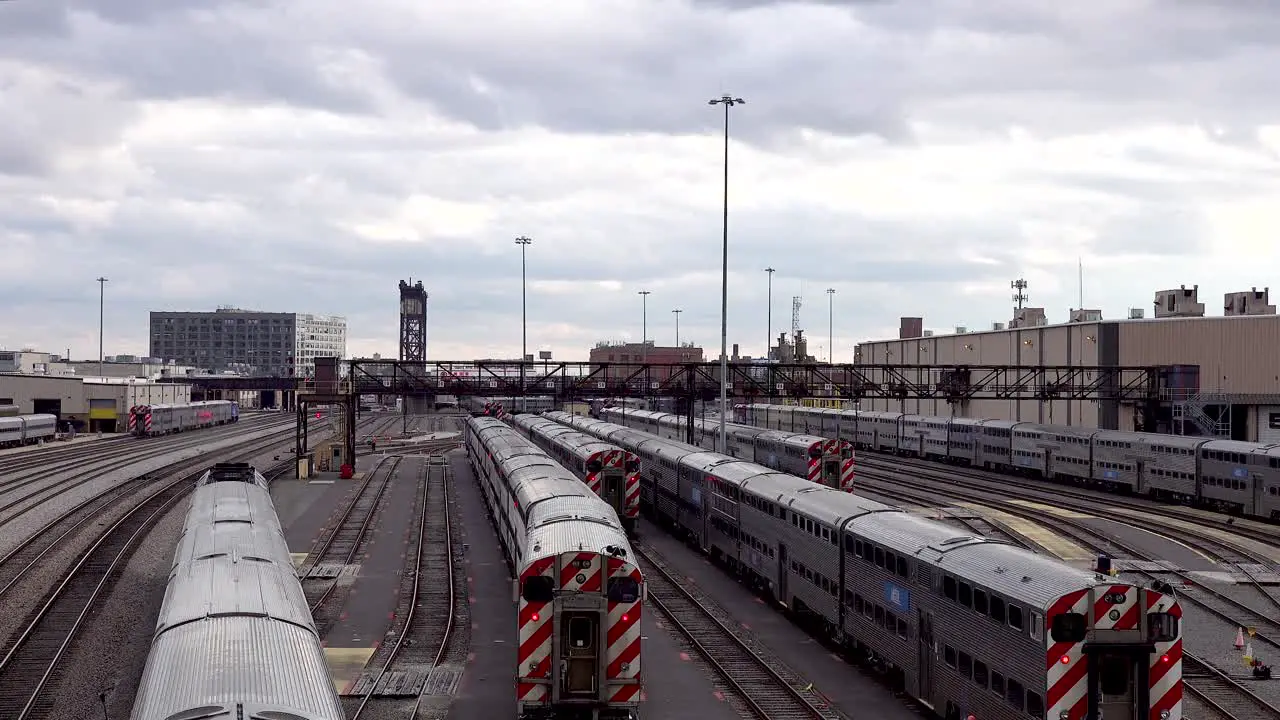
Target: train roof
[
  {"x": 966, "y": 421},
  {"x": 1238, "y": 446},
  {"x": 999, "y": 424},
  {"x": 800, "y": 440},
  {"x": 208, "y": 587},
  {"x": 231, "y": 505},
  {"x": 11, "y": 422},
  {"x": 773, "y": 486},
  {"x": 1035, "y": 580},
  {"x": 735, "y": 471},
  {"x": 587, "y": 525},
  {"x": 906, "y": 533},
  {"x": 833, "y": 507}
]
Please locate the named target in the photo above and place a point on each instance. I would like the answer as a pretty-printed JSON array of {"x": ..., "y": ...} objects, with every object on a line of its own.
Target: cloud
[{"x": 914, "y": 156}]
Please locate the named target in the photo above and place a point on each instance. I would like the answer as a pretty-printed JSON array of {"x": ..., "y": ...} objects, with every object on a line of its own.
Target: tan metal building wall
[
  {"x": 1067, "y": 345},
  {"x": 1238, "y": 354}
]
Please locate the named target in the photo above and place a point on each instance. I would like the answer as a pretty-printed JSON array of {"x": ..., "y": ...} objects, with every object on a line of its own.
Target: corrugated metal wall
[
  {"x": 1266, "y": 418},
  {"x": 1235, "y": 354}
]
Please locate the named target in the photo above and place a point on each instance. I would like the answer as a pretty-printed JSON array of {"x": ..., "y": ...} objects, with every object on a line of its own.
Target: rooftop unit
[
  {"x": 961, "y": 330},
  {"x": 997, "y": 326},
  {"x": 1179, "y": 303},
  {"x": 1248, "y": 302},
  {"x": 1028, "y": 317},
  {"x": 910, "y": 327},
  {"x": 1081, "y": 315},
  {"x": 1137, "y": 313}
]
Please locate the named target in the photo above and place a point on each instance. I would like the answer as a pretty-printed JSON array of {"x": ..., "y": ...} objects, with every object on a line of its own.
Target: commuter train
[
  {"x": 496, "y": 406},
  {"x": 610, "y": 472},
  {"x": 1236, "y": 477},
  {"x": 822, "y": 460},
  {"x": 578, "y": 588},
  {"x": 964, "y": 624},
  {"x": 27, "y": 429},
  {"x": 152, "y": 420},
  {"x": 235, "y": 637}
]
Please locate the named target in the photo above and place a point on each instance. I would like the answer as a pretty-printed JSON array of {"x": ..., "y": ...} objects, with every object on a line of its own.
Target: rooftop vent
[{"x": 1136, "y": 313}]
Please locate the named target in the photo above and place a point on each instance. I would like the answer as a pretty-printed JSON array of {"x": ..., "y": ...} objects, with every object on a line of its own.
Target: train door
[
  {"x": 925, "y": 656},
  {"x": 613, "y": 489},
  {"x": 1113, "y": 679},
  {"x": 579, "y": 655},
  {"x": 831, "y": 470},
  {"x": 1139, "y": 476},
  {"x": 781, "y": 592},
  {"x": 1255, "y": 480}
]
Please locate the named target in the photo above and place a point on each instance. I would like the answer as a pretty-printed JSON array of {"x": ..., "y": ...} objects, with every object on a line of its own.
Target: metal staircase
[{"x": 1193, "y": 410}]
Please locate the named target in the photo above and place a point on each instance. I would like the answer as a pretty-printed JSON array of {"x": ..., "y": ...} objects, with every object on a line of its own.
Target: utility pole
[
  {"x": 728, "y": 101},
  {"x": 524, "y": 243},
  {"x": 677, "y": 314},
  {"x": 768, "y": 345},
  {"x": 644, "y": 325},
  {"x": 102, "y": 294},
  {"x": 831, "y": 324}
]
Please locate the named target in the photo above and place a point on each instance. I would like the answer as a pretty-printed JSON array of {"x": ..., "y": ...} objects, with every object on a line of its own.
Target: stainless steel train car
[
  {"x": 822, "y": 460},
  {"x": 610, "y": 472},
  {"x": 966, "y": 625},
  {"x": 1227, "y": 475},
  {"x": 235, "y": 637},
  {"x": 163, "y": 419},
  {"x": 579, "y": 591},
  {"x": 27, "y": 429}
]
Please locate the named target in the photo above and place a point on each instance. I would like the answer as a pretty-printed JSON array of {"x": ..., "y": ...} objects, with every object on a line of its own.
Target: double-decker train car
[
  {"x": 164, "y": 419},
  {"x": 610, "y": 472},
  {"x": 578, "y": 588},
  {"x": 964, "y": 624},
  {"x": 235, "y": 638},
  {"x": 822, "y": 460},
  {"x": 27, "y": 429},
  {"x": 1236, "y": 477}
]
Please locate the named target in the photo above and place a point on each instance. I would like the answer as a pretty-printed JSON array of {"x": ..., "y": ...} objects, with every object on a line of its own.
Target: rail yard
[{"x": 490, "y": 564}]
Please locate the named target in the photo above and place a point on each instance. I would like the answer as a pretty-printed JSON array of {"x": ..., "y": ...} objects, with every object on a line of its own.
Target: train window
[
  {"x": 878, "y": 612},
  {"x": 1162, "y": 627},
  {"x": 903, "y": 630},
  {"x": 889, "y": 560},
  {"x": 879, "y": 555},
  {"x": 965, "y": 596},
  {"x": 1114, "y": 675},
  {"x": 1035, "y": 706},
  {"x": 539, "y": 589},
  {"x": 980, "y": 673},
  {"x": 949, "y": 655},
  {"x": 1037, "y": 623},
  {"x": 849, "y": 545},
  {"x": 966, "y": 664},
  {"x": 1069, "y": 627},
  {"x": 1013, "y": 692},
  {"x": 997, "y": 609},
  {"x": 980, "y": 601},
  {"x": 949, "y": 587},
  {"x": 580, "y": 633},
  {"x": 623, "y": 590},
  {"x": 903, "y": 570},
  {"x": 997, "y": 683}
]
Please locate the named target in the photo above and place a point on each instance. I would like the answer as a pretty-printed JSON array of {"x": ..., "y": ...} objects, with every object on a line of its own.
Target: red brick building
[{"x": 637, "y": 353}]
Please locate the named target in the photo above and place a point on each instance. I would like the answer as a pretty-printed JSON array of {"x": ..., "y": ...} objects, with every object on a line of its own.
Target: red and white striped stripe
[
  {"x": 533, "y": 670},
  {"x": 633, "y": 495},
  {"x": 580, "y": 579},
  {"x": 622, "y": 676},
  {"x": 1067, "y": 666},
  {"x": 1166, "y": 663},
  {"x": 133, "y": 419},
  {"x": 1123, "y": 615},
  {"x": 815, "y": 470},
  {"x": 146, "y": 420}
]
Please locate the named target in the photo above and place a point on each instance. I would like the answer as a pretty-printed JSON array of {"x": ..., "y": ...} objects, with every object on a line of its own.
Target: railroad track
[
  {"x": 1215, "y": 681},
  {"x": 36, "y": 655},
  {"x": 767, "y": 693},
  {"x": 1222, "y": 693},
  {"x": 421, "y": 651},
  {"x": 91, "y": 465},
  {"x": 340, "y": 545}
]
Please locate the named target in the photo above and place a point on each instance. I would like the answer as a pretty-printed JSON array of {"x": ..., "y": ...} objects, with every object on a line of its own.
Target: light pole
[
  {"x": 768, "y": 345},
  {"x": 728, "y": 101},
  {"x": 102, "y": 294},
  {"x": 831, "y": 324},
  {"x": 677, "y": 314},
  {"x": 524, "y": 243},
  {"x": 644, "y": 325}
]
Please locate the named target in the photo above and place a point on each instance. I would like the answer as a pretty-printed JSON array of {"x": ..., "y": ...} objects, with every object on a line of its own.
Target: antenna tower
[
  {"x": 795, "y": 314},
  {"x": 1019, "y": 296}
]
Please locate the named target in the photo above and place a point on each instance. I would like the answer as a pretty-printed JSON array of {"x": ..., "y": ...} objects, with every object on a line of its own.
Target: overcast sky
[{"x": 916, "y": 156}]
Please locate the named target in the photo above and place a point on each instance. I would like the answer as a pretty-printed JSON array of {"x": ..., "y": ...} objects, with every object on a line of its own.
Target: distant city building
[
  {"x": 610, "y": 352},
  {"x": 247, "y": 341}
]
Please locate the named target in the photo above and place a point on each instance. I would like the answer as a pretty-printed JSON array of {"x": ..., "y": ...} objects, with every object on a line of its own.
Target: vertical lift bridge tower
[{"x": 413, "y": 335}]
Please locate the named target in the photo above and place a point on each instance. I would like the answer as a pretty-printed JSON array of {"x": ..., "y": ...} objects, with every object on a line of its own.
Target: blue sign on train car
[{"x": 897, "y": 597}]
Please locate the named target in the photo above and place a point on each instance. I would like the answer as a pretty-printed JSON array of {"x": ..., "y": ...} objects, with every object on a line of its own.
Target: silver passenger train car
[
  {"x": 961, "y": 623},
  {"x": 235, "y": 637},
  {"x": 27, "y": 429},
  {"x": 818, "y": 459},
  {"x": 1235, "y": 477}
]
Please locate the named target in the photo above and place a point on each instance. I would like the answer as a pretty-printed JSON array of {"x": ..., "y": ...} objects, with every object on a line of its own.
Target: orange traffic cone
[{"x": 1240, "y": 639}]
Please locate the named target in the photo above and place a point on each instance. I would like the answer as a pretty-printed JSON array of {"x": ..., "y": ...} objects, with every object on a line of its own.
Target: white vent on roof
[
  {"x": 997, "y": 326},
  {"x": 928, "y": 333},
  {"x": 960, "y": 329},
  {"x": 1136, "y": 313}
]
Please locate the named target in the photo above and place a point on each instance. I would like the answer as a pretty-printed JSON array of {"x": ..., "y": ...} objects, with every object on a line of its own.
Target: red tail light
[{"x": 535, "y": 617}]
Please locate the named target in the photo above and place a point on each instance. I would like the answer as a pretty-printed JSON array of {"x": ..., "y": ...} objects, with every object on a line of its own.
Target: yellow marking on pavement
[
  {"x": 1052, "y": 509},
  {"x": 1267, "y": 551},
  {"x": 1062, "y": 548},
  {"x": 346, "y": 664},
  {"x": 298, "y": 559}
]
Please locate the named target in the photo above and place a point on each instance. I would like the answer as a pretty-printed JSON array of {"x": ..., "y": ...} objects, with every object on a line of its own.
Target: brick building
[{"x": 637, "y": 353}]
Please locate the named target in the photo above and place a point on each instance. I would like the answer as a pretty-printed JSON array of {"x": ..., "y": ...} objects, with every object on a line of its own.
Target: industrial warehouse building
[
  {"x": 1236, "y": 392},
  {"x": 86, "y": 406},
  {"x": 247, "y": 341}
]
